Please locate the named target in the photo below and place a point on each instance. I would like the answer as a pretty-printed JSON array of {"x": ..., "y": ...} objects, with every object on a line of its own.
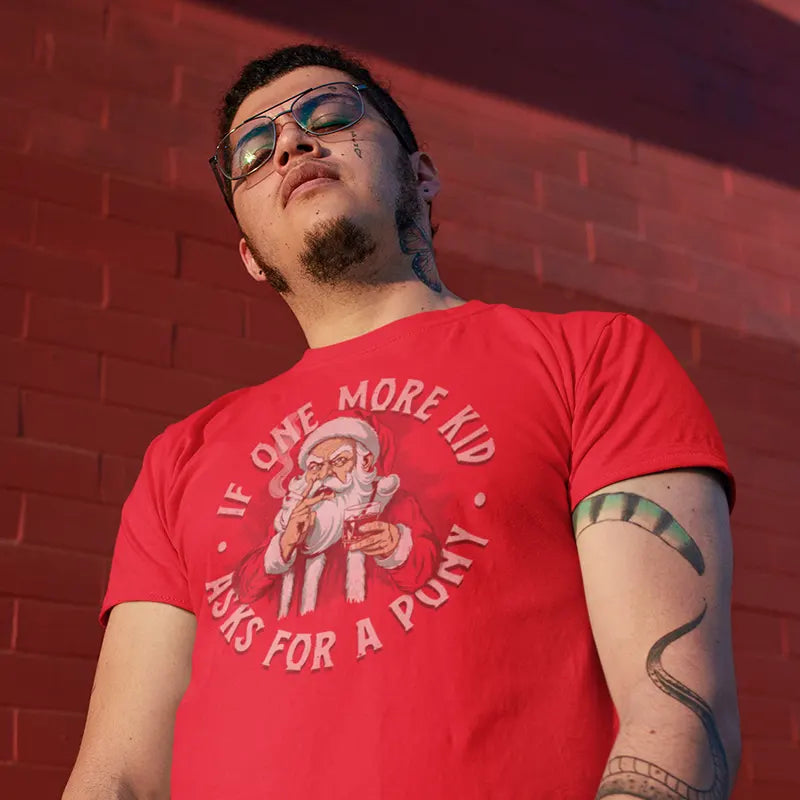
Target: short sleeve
[
  {"x": 146, "y": 565},
  {"x": 637, "y": 412}
]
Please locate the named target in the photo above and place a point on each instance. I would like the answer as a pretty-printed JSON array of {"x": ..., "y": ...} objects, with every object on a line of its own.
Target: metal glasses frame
[{"x": 225, "y": 182}]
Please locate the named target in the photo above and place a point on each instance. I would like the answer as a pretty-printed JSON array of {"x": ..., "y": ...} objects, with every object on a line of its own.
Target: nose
[{"x": 292, "y": 142}]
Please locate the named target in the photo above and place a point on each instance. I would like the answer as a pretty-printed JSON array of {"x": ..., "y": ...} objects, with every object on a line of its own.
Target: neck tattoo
[{"x": 415, "y": 242}]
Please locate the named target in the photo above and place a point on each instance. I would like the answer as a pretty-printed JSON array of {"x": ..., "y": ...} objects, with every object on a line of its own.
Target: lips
[{"x": 307, "y": 171}]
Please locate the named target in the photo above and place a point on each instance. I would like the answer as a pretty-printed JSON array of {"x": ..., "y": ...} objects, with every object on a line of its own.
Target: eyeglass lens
[{"x": 323, "y": 110}]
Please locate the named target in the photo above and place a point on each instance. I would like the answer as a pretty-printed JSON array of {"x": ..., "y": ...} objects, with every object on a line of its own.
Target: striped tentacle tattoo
[
  {"x": 628, "y": 507},
  {"x": 628, "y": 775}
]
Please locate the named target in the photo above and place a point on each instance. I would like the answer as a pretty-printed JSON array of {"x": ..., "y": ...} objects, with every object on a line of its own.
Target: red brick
[
  {"x": 6, "y": 734},
  {"x": 114, "y": 332},
  {"x": 17, "y": 35},
  {"x": 12, "y": 310},
  {"x": 459, "y": 240},
  {"x": 171, "y": 209},
  {"x": 272, "y": 322},
  {"x": 769, "y": 256},
  {"x": 15, "y": 123},
  {"x": 192, "y": 176},
  {"x": 49, "y": 574},
  {"x": 683, "y": 164},
  {"x": 760, "y": 511},
  {"x": 240, "y": 359},
  {"x": 10, "y": 507},
  {"x": 48, "y": 468},
  {"x": 750, "y": 546},
  {"x": 16, "y": 217},
  {"x": 202, "y": 92},
  {"x": 573, "y": 200},
  {"x": 791, "y": 628},
  {"x": 61, "y": 522},
  {"x": 705, "y": 239},
  {"x": 117, "y": 476},
  {"x": 48, "y": 273},
  {"x": 765, "y": 717},
  {"x": 90, "y": 60},
  {"x": 7, "y": 616},
  {"x": 490, "y": 172},
  {"x": 620, "y": 176},
  {"x": 70, "y": 138},
  {"x": 653, "y": 263},
  {"x": 507, "y": 217},
  {"x": 111, "y": 241},
  {"x": 758, "y": 431},
  {"x": 759, "y": 633},
  {"x": 96, "y": 426},
  {"x": 24, "y": 780},
  {"x": 43, "y": 366},
  {"x": 46, "y": 682},
  {"x": 45, "y": 178},
  {"x": 767, "y": 675},
  {"x": 155, "y": 389},
  {"x": 9, "y": 411},
  {"x": 216, "y": 265},
  {"x": 48, "y": 737},
  {"x": 179, "y": 300},
  {"x": 58, "y": 629},
  {"x": 35, "y": 86},
  {"x": 148, "y": 34},
  {"x": 775, "y": 761},
  {"x": 611, "y": 282},
  {"x": 768, "y": 591},
  {"x": 771, "y": 193},
  {"x": 162, "y": 121}
]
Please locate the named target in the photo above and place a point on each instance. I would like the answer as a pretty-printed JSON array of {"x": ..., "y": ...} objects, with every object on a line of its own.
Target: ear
[
  {"x": 369, "y": 460},
  {"x": 256, "y": 273},
  {"x": 427, "y": 175}
]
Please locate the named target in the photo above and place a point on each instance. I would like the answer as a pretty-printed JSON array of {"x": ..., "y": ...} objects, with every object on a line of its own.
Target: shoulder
[{"x": 573, "y": 335}]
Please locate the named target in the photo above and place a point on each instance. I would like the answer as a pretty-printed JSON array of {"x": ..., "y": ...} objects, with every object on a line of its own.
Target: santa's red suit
[{"x": 311, "y": 580}]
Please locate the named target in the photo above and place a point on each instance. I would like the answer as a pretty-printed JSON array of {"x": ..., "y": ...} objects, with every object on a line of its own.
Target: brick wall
[{"x": 618, "y": 155}]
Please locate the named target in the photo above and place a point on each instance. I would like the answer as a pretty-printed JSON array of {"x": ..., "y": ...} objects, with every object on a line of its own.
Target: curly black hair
[{"x": 262, "y": 71}]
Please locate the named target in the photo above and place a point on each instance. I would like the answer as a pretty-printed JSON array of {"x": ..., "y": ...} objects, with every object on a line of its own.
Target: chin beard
[{"x": 333, "y": 248}]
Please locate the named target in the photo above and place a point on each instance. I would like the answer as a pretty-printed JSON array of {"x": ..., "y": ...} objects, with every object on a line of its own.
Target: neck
[{"x": 344, "y": 312}]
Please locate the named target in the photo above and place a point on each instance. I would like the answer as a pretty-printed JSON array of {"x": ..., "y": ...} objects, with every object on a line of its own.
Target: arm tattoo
[
  {"x": 631, "y": 775},
  {"x": 415, "y": 242},
  {"x": 627, "y": 507}
]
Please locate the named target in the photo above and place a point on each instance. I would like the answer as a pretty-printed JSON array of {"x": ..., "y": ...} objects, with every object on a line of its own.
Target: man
[{"x": 518, "y": 665}]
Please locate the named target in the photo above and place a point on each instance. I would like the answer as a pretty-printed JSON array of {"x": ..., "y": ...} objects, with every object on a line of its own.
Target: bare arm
[
  {"x": 142, "y": 673},
  {"x": 656, "y": 560}
]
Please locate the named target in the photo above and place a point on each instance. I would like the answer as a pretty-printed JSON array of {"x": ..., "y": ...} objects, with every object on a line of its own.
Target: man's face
[{"x": 357, "y": 203}]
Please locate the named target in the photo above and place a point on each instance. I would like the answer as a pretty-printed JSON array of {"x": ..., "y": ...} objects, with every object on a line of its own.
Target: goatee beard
[{"x": 333, "y": 248}]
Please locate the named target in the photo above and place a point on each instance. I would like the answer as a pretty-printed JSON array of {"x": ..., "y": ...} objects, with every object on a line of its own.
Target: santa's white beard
[{"x": 329, "y": 524}]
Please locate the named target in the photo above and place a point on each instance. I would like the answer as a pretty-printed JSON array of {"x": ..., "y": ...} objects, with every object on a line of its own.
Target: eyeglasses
[{"x": 319, "y": 111}]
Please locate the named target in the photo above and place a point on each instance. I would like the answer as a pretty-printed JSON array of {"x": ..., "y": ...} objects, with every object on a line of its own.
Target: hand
[
  {"x": 301, "y": 521},
  {"x": 381, "y": 542}
]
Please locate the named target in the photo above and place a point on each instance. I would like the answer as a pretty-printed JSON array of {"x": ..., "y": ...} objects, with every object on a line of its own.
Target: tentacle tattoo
[
  {"x": 629, "y": 775},
  {"x": 628, "y": 507}
]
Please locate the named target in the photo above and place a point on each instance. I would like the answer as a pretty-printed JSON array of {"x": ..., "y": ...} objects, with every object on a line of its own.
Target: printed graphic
[
  {"x": 345, "y": 504},
  {"x": 341, "y": 529}
]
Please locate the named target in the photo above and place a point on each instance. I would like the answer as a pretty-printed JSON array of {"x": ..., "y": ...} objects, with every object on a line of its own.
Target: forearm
[{"x": 681, "y": 763}]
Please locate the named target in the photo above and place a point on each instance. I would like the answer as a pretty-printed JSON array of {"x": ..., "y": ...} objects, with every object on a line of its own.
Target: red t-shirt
[{"x": 458, "y": 662}]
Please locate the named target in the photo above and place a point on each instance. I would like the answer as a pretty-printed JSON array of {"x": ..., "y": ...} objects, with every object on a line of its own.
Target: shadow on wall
[{"x": 718, "y": 78}]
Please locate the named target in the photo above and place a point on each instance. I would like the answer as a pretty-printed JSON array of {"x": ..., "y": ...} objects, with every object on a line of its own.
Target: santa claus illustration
[{"x": 340, "y": 508}]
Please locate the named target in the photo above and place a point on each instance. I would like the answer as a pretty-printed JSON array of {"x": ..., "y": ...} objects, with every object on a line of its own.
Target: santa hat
[{"x": 361, "y": 427}]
